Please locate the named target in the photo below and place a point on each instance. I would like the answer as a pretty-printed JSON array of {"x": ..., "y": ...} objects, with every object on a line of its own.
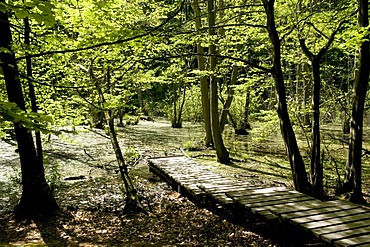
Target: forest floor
[{"x": 82, "y": 171}]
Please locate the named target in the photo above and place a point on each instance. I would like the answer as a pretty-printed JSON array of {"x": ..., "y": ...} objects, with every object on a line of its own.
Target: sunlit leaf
[{"x": 21, "y": 13}]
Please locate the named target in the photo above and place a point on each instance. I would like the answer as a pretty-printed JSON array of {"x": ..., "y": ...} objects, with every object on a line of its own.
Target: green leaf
[
  {"x": 49, "y": 20},
  {"x": 45, "y": 9},
  {"x": 30, "y": 4},
  {"x": 37, "y": 17},
  {"x": 21, "y": 13},
  {"x": 3, "y": 7}
]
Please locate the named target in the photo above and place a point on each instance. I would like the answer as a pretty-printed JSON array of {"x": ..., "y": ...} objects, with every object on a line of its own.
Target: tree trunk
[
  {"x": 174, "y": 117},
  {"x": 131, "y": 198},
  {"x": 179, "y": 116},
  {"x": 32, "y": 95},
  {"x": 353, "y": 182},
  {"x": 245, "y": 125},
  {"x": 306, "y": 92},
  {"x": 141, "y": 102},
  {"x": 176, "y": 121},
  {"x": 300, "y": 178},
  {"x": 204, "y": 87},
  {"x": 316, "y": 165},
  {"x": 37, "y": 197},
  {"x": 221, "y": 151},
  {"x": 229, "y": 99}
]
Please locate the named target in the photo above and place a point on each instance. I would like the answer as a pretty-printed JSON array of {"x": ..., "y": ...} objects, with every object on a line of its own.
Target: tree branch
[
  {"x": 305, "y": 49},
  {"x": 119, "y": 41},
  {"x": 331, "y": 39}
]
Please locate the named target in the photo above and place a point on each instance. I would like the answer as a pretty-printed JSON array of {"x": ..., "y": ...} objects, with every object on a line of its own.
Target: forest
[{"x": 265, "y": 90}]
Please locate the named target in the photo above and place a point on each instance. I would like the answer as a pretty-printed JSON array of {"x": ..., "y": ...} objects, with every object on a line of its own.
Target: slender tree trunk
[
  {"x": 245, "y": 125},
  {"x": 141, "y": 102},
  {"x": 306, "y": 92},
  {"x": 179, "y": 117},
  {"x": 229, "y": 99},
  {"x": 316, "y": 163},
  {"x": 131, "y": 197},
  {"x": 204, "y": 87},
  {"x": 221, "y": 151},
  {"x": 300, "y": 178},
  {"x": 32, "y": 95},
  {"x": 176, "y": 121},
  {"x": 353, "y": 182},
  {"x": 174, "y": 100},
  {"x": 37, "y": 197}
]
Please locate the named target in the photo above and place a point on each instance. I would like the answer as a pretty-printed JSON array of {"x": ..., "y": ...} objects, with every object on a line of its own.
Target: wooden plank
[
  {"x": 225, "y": 185},
  {"x": 223, "y": 199},
  {"x": 346, "y": 219},
  {"x": 251, "y": 196},
  {"x": 257, "y": 204},
  {"x": 354, "y": 241},
  {"x": 331, "y": 237},
  {"x": 272, "y": 208},
  {"x": 267, "y": 214},
  {"x": 328, "y": 215},
  {"x": 235, "y": 188},
  {"x": 298, "y": 207},
  {"x": 340, "y": 227},
  {"x": 260, "y": 191},
  {"x": 225, "y": 193},
  {"x": 267, "y": 198},
  {"x": 362, "y": 245},
  {"x": 316, "y": 211},
  {"x": 186, "y": 182}
]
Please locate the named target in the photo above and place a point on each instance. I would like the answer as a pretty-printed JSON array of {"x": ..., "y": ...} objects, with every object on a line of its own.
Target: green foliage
[
  {"x": 53, "y": 177},
  {"x": 131, "y": 155},
  {"x": 268, "y": 123},
  {"x": 9, "y": 111},
  {"x": 193, "y": 106},
  {"x": 193, "y": 146},
  {"x": 131, "y": 120}
]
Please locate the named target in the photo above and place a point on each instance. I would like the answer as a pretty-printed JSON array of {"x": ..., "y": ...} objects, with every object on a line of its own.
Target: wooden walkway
[{"x": 337, "y": 222}]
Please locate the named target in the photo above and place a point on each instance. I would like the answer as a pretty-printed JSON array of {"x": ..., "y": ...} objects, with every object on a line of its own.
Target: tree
[
  {"x": 221, "y": 151},
  {"x": 131, "y": 196},
  {"x": 353, "y": 182},
  {"x": 300, "y": 178},
  {"x": 204, "y": 87},
  {"x": 37, "y": 197},
  {"x": 316, "y": 162}
]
